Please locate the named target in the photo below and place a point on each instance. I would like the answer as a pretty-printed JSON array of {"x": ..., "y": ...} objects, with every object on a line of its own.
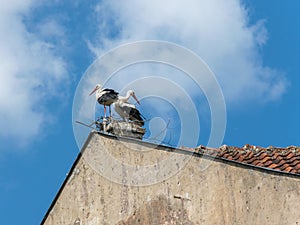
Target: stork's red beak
[
  {"x": 136, "y": 99},
  {"x": 93, "y": 91}
]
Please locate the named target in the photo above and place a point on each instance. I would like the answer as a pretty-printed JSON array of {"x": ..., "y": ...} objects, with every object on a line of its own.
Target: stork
[
  {"x": 128, "y": 111},
  {"x": 105, "y": 97}
]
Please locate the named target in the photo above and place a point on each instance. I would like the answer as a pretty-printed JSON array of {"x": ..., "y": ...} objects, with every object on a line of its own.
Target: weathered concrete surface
[
  {"x": 219, "y": 194},
  {"x": 158, "y": 211}
]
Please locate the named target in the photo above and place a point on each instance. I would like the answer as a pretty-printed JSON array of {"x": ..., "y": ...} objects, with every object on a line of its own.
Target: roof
[{"x": 272, "y": 158}]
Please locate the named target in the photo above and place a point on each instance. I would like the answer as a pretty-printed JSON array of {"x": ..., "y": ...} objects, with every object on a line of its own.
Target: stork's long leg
[{"x": 104, "y": 111}]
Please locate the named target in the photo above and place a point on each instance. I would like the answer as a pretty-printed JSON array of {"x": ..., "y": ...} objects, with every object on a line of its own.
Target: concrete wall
[{"x": 202, "y": 192}]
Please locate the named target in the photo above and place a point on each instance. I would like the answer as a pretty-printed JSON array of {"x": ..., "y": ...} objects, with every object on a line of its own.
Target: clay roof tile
[{"x": 280, "y": 159}]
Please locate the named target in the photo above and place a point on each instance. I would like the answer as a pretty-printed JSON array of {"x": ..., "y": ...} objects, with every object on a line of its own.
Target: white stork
[
  {"x": 128, "y": 111},
  {"x": 105, "y": 97}
]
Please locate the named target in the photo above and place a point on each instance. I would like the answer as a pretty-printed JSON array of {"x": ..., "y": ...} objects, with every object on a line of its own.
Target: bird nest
[{"x": 123, "y": 129}]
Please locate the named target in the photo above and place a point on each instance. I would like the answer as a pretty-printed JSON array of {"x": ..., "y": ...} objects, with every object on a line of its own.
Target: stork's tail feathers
[{"x": 136, "y": 117}]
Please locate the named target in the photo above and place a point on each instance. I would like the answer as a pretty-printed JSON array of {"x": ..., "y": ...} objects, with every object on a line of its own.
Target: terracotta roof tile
[
  {"x": 273, "y": 165},
  {"x": 290, "y": 155},
  {"x": 264, "y": 160},
  {"x": 281, "y": 163},
  {"x": 288, "y": 169},
  {"x": 284, "y": 166},
  {"x": 294, "y": 162},
  {"x": 280, "y": 159},
  {"x": 268, "y": 163},
  {"x": 293, "y": 171},
  {"x": 256, "y": 162},
  {"x": 251, "y": 160},
  {"x": 297, "y": 167},
  {"x": 249, "y": 155}
]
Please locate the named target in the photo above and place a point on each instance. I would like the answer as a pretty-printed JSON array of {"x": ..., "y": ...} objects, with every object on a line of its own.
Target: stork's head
[
  {"x": 98, "y": 86},
  {"x": 131, "y": 92}
]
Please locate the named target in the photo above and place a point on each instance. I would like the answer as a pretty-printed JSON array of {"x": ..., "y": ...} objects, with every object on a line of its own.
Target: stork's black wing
[
  {"x": 135, "y": 116},
  {"x": 111, "y": 91},
  {"x": 108, "y": 96}
]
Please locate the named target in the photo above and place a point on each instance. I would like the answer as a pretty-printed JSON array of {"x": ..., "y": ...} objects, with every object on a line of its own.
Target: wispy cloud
[
  {"x": 31, "y": 72},
  {"x": 217, "y": 30}
]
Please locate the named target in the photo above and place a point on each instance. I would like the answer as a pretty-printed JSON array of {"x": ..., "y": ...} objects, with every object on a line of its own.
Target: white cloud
[
  {"x": 30, "y": 73},
  {"x": 51, "y": 28},
  {"x": 217, "y": 30}
]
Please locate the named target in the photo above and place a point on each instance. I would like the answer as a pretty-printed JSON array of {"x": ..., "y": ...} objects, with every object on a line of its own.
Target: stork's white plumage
[
  {"x": 105, "y": 97},
  {"x": 128, "y": 111}
]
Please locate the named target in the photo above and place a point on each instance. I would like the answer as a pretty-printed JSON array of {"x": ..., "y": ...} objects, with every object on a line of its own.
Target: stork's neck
[
  {"x": 98, "y": 93},
  {"x": 125, "y": 98}
]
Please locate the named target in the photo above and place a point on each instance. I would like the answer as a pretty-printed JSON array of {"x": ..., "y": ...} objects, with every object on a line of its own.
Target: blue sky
[{"x": 46, "y": 46}]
